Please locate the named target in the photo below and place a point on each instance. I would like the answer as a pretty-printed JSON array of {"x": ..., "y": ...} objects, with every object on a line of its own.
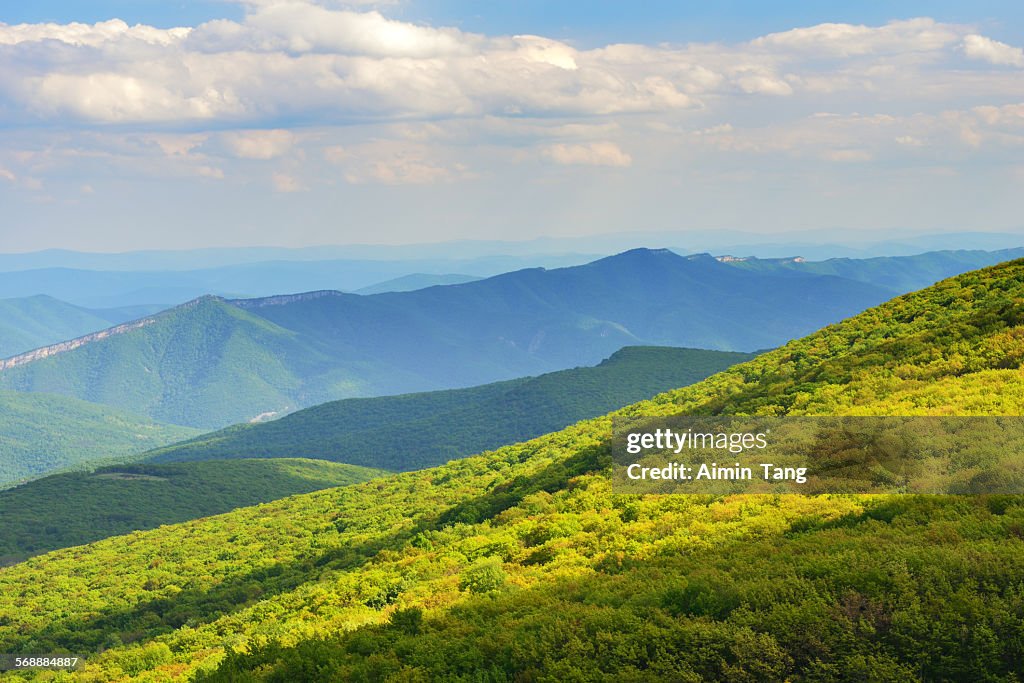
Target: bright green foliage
[
  {"x": 71, "y": 509},
  {"x": 483, "y": 576},
  {"x": 40, "y": 433},
  {"x": 421, "y": 430},
  {"x": 368, "y": 582}
]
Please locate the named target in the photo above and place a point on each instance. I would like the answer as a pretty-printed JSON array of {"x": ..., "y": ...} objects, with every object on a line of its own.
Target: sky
[{"x": 152, "y": 124}]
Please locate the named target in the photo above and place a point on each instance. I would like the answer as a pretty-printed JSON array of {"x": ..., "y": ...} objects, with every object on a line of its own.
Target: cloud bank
[{"x": 303, "y": 98}]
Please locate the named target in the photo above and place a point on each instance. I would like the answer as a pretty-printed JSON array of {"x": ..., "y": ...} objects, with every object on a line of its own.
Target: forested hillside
[
  {"x": 35, "y": 321},
  {"x": 205, "y": 364},
  {"x": 40, "y": 433},
  {"x": 521, "y": 564},
  {"x": 421, "y": 430},
  {"x": 79, "y": 507},
  {"x": 212, "y": 362}
]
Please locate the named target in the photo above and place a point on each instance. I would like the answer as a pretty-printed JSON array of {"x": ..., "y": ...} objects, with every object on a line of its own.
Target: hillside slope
[
  {"x": 40, "y": 433},
  {"x": 36, "y": 321},
  {"x": 522, "y": 565},
  {"x": 427, "y": 429},
  {"x": 203, "y": 364},
  {"x": 211, "y": 363},
  {"x": 76, "y": 508}
]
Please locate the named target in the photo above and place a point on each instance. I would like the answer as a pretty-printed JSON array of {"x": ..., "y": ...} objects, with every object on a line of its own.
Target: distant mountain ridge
[
  {"x": 408, "y": 283},
  {"x": 901, "y": 274},
  {"x": 215, "y": 362}
]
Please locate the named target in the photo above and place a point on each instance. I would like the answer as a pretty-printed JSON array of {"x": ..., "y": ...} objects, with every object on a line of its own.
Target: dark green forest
[
  {"x": 422, "y": 430},
  {"x": 79, "y": 507}
]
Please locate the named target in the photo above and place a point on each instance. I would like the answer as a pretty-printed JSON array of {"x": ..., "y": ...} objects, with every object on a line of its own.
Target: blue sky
[
  {"x": 594, "y": 22},
  {"x": 295, "y": 122}
]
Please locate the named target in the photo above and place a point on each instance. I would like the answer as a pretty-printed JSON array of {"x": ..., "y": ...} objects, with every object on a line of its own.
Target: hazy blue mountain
[
  {"x": 421, "y": 430},
  {"x": 214, "y": 362},
  {"x": 120, "y": 288},
  {"x": 901, "y": 274},
  {"x": 544, "y": 251},
  {"x": 488, "y": 253},
  {"x": 408, "y": 283}
]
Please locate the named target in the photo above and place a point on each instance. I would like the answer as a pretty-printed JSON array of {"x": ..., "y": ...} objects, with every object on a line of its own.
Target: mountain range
[
  {"x": 807, "y": 243},
  {"x": 167, "y": 287},
  {"x": 214, "y": 362},
  {"x": 901, "y": 274},
  {"x": 523, "y": 564}
]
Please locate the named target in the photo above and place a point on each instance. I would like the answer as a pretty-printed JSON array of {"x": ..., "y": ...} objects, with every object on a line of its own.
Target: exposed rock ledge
[
  {"x": 282, "y": 299},
  {"x": 71, "y": 344}
]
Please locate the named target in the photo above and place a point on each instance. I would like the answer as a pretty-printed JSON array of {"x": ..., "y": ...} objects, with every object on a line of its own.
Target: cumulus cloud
[
  {"x": 592, "y": 154},
  {"x": 259, "y": 144},
  {"x": 846, "y": 40},
  {"x": 286, "y": 183},
  {"x": 992, "y": 51},
  {"x": 328, "y": 64},
  {"x": 392, "y": 163},
  {"x": 352, "y": 94},
  {"x": 847, "y": 155}
]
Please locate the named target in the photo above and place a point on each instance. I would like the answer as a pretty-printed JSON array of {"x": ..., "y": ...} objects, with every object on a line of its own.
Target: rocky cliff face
[
  {"x": 282, "y": 299},
  {"x": 71, "y": 344}
]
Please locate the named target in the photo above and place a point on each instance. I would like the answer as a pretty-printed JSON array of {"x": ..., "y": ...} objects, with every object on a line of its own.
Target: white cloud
[
  {"x": 300, "y": 27},
  {"x": 259, "y": 144},
  {"x": 847, "y": 155},
  {"x": 592, "y": 154},
  {"x": 847, "y": 40},
  {"x": 286, "y": 183},
  {"x": 210, "y": 172},
  {"x": 90, "y": 35},
  {"x": 909, "y": 141},
  {"x": 992, "y": 51},
  {"x": 294, "y": 59},
  {"x": 394, "y": 163},
  {"x": 327, "y": 93},
  {"x": 399, "y": 172}
]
